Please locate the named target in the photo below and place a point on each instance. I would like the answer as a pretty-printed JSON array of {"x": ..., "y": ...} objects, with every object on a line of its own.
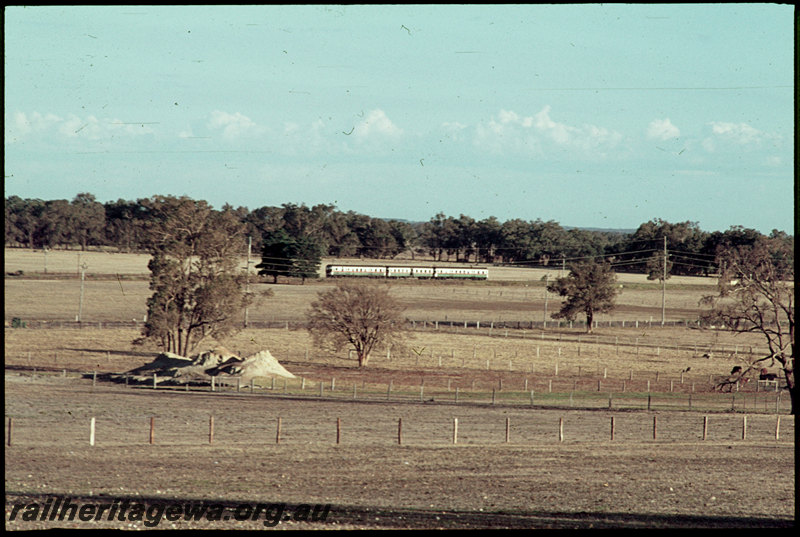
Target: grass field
[{"x": 483, "y": 377}]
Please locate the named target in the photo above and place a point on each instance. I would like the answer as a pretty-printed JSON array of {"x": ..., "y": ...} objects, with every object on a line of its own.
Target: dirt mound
[
  {"x": 261, "y": 364},
  {"x": 219, "y": 362}
]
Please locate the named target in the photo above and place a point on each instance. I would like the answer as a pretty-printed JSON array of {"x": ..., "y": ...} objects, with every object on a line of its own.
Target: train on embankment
[{"x": 400, "y": 272}]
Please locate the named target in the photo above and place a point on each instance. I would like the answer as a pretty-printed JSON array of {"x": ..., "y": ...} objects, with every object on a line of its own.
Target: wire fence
[{"x": 359, "y": 426}]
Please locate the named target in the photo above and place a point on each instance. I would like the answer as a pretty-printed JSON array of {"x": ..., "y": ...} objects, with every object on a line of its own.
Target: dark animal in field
[
  {"x": 766, "y": 375},
  {"x": 736, "y": 369}
]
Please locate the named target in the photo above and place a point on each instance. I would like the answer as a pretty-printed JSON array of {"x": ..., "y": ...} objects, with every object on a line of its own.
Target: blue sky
[{"x": 590, "y": 115}]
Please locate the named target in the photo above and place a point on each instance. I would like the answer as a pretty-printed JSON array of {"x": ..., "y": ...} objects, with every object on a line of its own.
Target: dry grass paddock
[{"x": 534, "y": 480}]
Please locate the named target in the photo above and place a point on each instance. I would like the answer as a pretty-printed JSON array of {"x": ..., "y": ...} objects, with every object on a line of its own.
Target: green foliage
[
  {"x": 282, "y": 255},
  {"x": 195, "y": 278},
  {"x": 589, "y": 288},
  {"x": 85, "y": 222}
]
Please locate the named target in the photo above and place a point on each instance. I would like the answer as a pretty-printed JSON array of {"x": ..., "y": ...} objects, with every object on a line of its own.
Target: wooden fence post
[
  {"x": 744, "y": 427},
  {"x": 91, "y": 431},
  {"x": 560, "y": 429},
  {"x": 705, "y": 427},
  {"x": 612, "y": 427},
  {"x": 508, "y": 429},
  {"x": 338, "y": 430},
  {"x": 777, "y": 430},
  {"x": 455, "y": 430},
  {"x": 152, "y": 429},
  {"x": 11, "y": 429},
  {"x": 211, "y": 429},
  {"x": 399, "y": 431},
  {"x": 655, "y": 426},
  {"x": 278, "y": 432}
]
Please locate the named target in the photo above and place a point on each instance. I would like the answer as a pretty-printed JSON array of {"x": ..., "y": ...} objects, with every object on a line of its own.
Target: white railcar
[{"x": 398, "y": 271}]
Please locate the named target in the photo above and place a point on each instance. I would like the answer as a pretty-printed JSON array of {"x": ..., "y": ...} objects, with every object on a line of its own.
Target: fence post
[
  {"x": 612, "y": 425},
  {"x": 152, "y": 429},
  {"x": 777, "y": 430},
  {"x": 744, "y": 427},
  {"x": 91, "y": 431},
  {"x": 508, "y": 429},
  {"x": 338, "y": 430},
  {"x": 399, "y": 431},
  {"x": 211, "y": 429},
  {"x": 560, "y": 429},
  {"x": 655, "y": 426},
  {"x": 705, "y": 427},
  {"x": 11, "y": 428},
  {"x": 455, "y": 430},
  {"x": 278, "y": 432}
]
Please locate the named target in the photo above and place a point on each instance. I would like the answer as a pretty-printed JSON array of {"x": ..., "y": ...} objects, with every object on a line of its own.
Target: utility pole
[
  {"x": 544, "y": 324},
  {"x": 247, "y": 278},
  {"x": 83, "y": 268},
  {"x": 664, "y": 285}
]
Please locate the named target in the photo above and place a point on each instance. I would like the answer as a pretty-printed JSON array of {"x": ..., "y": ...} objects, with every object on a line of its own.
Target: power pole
[
  {"x": 83, "y": 268},
  {"x": 247, "y": 278},
  {"x": 544, "y": 324},
  {"x": 664, "y": 285}
]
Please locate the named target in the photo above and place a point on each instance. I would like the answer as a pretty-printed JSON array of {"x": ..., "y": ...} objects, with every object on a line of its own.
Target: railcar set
[{"x": 399, "y": 272}]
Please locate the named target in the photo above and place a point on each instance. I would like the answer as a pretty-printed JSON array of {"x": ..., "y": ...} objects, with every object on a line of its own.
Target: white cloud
[
  {"x": 509, "y": 131},
  {"x": 662, "y": 129},
  {"x": 740, "y": 133},
  {"x": 376, "y": 123},
  {"x": 558, "y": 132},
  {"x": 22, "y": 126},
  {"x": 233, "y": 126}
]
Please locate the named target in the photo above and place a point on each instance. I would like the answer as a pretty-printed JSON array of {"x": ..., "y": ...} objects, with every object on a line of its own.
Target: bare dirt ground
[
  {"x": 484, "y": 378},
  {"x": 533, "y": 481}
]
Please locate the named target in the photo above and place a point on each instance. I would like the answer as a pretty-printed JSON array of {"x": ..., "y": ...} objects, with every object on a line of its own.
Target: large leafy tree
[
  {"x": 23, "y": 221},
  {"x": 359, "y": 315},
  {"x": 756, "y": 295},
  {"x": 283, "y": 255},
  {"x": 589, "y": 288},
  {"x": 89, "y": 220},
  {"x": 197, "y": 284}
]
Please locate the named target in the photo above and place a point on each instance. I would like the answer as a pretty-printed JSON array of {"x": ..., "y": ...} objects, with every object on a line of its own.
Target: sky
[{"x": 600, "y": 116}]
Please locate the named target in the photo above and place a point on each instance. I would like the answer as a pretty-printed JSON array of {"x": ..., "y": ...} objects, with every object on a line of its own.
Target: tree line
[{"x": 85, "y": 222}]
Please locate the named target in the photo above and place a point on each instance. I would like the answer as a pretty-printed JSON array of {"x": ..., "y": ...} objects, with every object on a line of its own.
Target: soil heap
[{"x": 220, "y": 363}]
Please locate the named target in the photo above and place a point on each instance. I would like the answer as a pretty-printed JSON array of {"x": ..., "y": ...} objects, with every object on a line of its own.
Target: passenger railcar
[{"x": 397, "y": 272}]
